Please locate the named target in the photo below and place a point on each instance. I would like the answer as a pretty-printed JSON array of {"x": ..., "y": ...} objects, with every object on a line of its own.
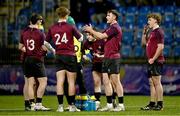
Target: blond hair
[{"x": 155, "y": 16}]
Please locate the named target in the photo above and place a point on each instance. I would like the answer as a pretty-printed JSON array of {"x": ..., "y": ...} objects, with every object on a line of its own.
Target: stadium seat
[
  {"x": 168, "y": 36},
  {"x": 177, "y": 20},
  {"x": 122, "y": 10},
  {"x": 144, "y": 10},
  {"x": 129, "y": 21},
  {"x": 141, "y": 20},
  {"x": 170, "y": 9},
  {"x": 176, "y": 51},
  {"x": 158, "y": 9},
  {"x": 102, "y": 26},
  {"x": 120, "y": 20},
  {"x": 138, "y": 36},
  {"x": 138, "y": 51},
  {"x": 177, "y": 36},
  {"x": 167, "y": 51},
  {"x": 127, "y": 37},
  {"x": 168, "y": 20},
  {"x": 132, "y": 10},
  {"x": 126, "y": 51},
  {"x": 79, "y": 25}
]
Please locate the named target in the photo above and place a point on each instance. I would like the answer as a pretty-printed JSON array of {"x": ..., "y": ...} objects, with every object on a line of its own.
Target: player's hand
[
  {"x": 145, "y": 29},
  {"x": 87, "y": 28},
  {"x": 151, "y": 61},
  {"x": 23, "y": 49},
  {"x": 97, "y": 55}
]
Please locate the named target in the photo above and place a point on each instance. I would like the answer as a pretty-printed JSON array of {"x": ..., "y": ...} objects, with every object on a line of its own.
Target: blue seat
[
  {"x": 129, "y": 21},
  {"x": 170, "y": 9},
  {"x": 138, "y": 51},
  {"x": 120, "y": 20},
  {"x": 176, "y": 51},
  {"x": 127, "y": 37},
  {"x": 138, "y": 37},
  {"x": 122, "y": 10},
  {"x": 132, "y": 10},
  {"x": 168, "y": 36},
  {"x": 168, "y": 20},
  {"x": 79, "y": 25},
  {"x": 126, "y": 51},
  {"x": 167, "y": 51},
  {"x": 157, "y": 9},
  {"x": 141, "y": 20},
  {"x": 144, "y": 10},
  {"x": 177, "y": 35},
  {"x": 177, "y": 20},
  {"x": 102, "y": 26}
]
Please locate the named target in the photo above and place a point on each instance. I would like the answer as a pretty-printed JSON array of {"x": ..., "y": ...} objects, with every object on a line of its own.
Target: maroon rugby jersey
[
  {"x": 156, "y": 37},
  {"x": 96, "y": 47},
  {"x": 62, "y": 35},
  {"x": 112, "y": 46},
  {"x": 33, "y": 39}
]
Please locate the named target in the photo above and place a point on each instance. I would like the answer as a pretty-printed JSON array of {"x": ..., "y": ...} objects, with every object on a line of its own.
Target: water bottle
[{"x": 78, "y": 101}]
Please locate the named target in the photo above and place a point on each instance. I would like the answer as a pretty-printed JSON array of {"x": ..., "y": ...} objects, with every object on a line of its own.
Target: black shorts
[
  {"x": 97, "y": 66},
  {"x": 66, "y": 62},
  {"x": 111, "y": 66},
  {"x": 34, "y": 67},
  {"x": 154, "y": 69}
]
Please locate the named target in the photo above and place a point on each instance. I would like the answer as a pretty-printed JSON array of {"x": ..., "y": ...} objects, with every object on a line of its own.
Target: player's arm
[
  {"x": 98, "y": 55},
  {"x": 22, "y": 47},
  {"x": 144, "y": 35},
  {"x": 159, "y": 50},
  {"x": 97, "y": 35},
  {"x": 49, "y": 47}
]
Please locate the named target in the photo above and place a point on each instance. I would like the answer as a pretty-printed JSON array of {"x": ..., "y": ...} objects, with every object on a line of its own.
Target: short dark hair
[
  {"x": 62, "y": 11},
  {"x": 35, "y": 17},
  {"x": 114, "y": 12},
  {"x": 155, "y": 16}
]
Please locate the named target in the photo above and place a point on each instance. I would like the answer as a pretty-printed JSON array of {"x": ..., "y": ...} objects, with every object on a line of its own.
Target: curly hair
[{"x": 155, "y": 16}]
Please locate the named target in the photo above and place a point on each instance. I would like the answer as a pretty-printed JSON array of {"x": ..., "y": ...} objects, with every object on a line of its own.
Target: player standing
[
  {"x": 32, "y": 43},
  {"x": 154, "y": 53},
  {"x": 111, "y": 61},
  {"x": 62, "y": 35}
]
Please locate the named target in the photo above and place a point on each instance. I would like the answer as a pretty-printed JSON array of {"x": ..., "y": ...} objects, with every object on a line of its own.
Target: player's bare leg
[
  {"x": 108, "y": 92},
  {"x": 159, "y": 92},
  {"x": 40, "y": 92},
  {"x": 60, "y": 89},
  {"x": 119, "y": 90},
  {"x": 71, "y": 76},
  {"x": 97, "y": 87},
  {"x": 31, "y": 83},
  {"x": 153, "y": 97},
  {"x": 26, "y": 96}
]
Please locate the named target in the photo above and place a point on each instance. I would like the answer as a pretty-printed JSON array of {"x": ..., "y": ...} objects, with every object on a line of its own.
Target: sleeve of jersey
[
  {"x": 48, "y": 36},
  {"x": 111, "y": 31},
  {"x": 160, "y": 36},
  {"x": 77, "y": 34}
]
